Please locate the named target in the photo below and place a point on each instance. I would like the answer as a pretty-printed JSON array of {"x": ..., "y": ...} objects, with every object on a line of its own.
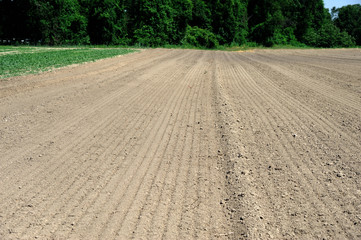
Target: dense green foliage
[
  {"x": 348, "y": 19},
  {"x": 199, "y": 37},
  {"x": 199, "y": 23},
  {"x": 20, "y": 60}
]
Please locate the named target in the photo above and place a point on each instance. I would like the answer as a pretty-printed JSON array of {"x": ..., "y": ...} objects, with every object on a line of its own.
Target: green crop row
[{"x": 15, "y": 61}]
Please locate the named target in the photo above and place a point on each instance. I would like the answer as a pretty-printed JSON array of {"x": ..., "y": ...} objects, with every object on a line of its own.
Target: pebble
[{"x": 241, "y": 195}]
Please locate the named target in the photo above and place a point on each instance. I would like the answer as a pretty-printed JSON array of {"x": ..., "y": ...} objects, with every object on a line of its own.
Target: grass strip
[{"x": 35, "y": 62}]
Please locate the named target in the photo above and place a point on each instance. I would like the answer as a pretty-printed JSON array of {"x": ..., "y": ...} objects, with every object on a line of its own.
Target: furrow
[
  {"x": 125, "y": 230},
  {"x": 116, "y": 184},
  {"x": 328, "y": 126},
  {"x": 327, "y": 91},
  {"x": 77, "y": 114},
  {"x": 105, "y": 124},
  {"x": 161, "y": 179},
  {"x": 292, "y": 154},
  {"x": 104, "y": 168},
  {"x": 100, "y": 155},
  {"x": 226, "y": 78},
  {"x": 289, "y": 140},
  {"x": 73, "y": 143}
]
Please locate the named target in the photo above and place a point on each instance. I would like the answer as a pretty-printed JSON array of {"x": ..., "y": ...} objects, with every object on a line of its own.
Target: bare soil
[{"x": 185, "y": 144}]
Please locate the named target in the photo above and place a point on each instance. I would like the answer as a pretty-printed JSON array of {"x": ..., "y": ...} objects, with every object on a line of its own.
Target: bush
[
  {"x": 199, "y": 37},
  {"x": 311, "y": 37},
  {"x": 146, "y": 37},
  {"x": 328, "y": 36},
  {"x": 345, "y": 40},
  {"x": 282, "y": 37}
]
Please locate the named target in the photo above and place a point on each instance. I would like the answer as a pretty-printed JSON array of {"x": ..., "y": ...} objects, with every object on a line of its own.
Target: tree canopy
[
  {"x": 198, "y": 23},
  {"x": 348, "y": 19}
]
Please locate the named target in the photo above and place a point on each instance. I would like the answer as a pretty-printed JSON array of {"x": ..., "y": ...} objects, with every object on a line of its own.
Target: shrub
[
  {"x": 328, "y": 36},
  {"x": 199, "y": 37},
  {"x": 146, "y": 37}
]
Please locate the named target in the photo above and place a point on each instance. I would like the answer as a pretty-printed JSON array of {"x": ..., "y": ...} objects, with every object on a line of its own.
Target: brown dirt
[{"x": 185, "y": 144}]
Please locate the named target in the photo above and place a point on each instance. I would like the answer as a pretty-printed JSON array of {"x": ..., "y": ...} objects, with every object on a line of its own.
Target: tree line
[{"x": 200, "y": 23}]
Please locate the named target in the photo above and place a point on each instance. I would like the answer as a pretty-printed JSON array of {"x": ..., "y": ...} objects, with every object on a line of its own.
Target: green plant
[
  {"x": 25, "y": 62},
  {"x": 201, "y": 38}
]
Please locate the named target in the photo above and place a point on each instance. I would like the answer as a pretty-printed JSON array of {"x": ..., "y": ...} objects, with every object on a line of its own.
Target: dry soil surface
[{"x": 185, "y": 144}]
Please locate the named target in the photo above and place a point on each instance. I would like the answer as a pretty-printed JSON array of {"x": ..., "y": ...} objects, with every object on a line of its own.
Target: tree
[
  {"x": 310, "y": 18},
  {"x": 348, "y": 18},
  {"x": 107, "y": 22},
  {"x": 15, "y": 20},
  {"x": 196, "y": 22},
  {"x": 152, "y": 22},
  {"x": 201, "y": 15},
  {"x": 268, "y": 22},
  {"x": 229, "y": 20},
  {"x": 182, "y": 15},
  {"x": 328, "y": 35},
  {"x": 60, "y": 22}
]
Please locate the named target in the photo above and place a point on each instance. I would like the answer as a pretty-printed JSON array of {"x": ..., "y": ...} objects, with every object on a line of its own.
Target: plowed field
[{"x": 185, "y": 144}]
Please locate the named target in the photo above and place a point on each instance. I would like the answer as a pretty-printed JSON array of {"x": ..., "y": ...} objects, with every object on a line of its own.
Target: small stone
[{"x": 241, "y": 195}]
